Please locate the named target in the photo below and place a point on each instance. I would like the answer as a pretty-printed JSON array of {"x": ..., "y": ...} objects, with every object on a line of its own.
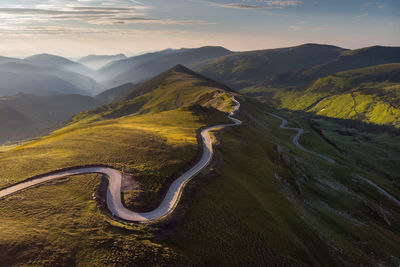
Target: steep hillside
[
  {"x": 347, "y": 60},
  {"x": 370, "y": 95},
  {"x": 25, "y": 116},
  {"x": 262, "y": 201},
  {"x": 249, "y": 68},
  {"x": 265, "y": 195},
  {"x": 141, "y": 68},
  {"x": 115, "y": 94},
  {"x": 177, "y": 87},
  {"x": 354, "y": 59},
  {"x": 155, "y": 147}
]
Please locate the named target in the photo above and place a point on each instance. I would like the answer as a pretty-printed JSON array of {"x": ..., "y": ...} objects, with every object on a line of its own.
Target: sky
[{"x": 76, "y": 28}]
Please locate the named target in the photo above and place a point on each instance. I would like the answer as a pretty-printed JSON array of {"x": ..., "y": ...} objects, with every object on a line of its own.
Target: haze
[{"x": 80, "y": 27}]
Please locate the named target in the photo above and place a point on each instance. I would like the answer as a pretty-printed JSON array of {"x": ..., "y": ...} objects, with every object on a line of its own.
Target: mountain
[
  {"x": 347, "y": 60},
  {"x": 115, "y": 94},
  {"x": 370, "y": 94},
  {"x": 243, "y": 69},
  {"x": 61, "y": 63},
  {"x": 355, "y": 59},
  {"x": 264, "y": 200},
  {"x": 34, "y": 83},
  {"x": 81, "y": 83},
  {"x": 172, "y": 89},
  {"x": 25, "y": 116},
  {"x": 8, "y": 60},
  {"x": 98, "y": 61},
  {"x": 52, "y": 61},
  {"x": 143, "y": 67}
]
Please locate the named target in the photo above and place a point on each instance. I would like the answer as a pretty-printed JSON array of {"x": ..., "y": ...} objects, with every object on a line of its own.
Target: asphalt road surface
[{"x": 114, "y": 202}]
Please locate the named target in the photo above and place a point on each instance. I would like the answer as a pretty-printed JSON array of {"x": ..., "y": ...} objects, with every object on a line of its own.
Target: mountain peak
[
  {"x": 181, "y": 68},
  {"x": 48, "y": 58},
  {"x": 174, "y": 75},
  {"x": 44, "y": 55}
]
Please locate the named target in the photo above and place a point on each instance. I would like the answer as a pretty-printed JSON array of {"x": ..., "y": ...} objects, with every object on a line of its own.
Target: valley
[{"x": 308, "y": 178}]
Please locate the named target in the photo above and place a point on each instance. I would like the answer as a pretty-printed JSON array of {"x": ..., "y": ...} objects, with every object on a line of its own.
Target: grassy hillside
[
  {"x": 152, "y": 147},
  {"x": 26, "y": 116},
  {"x": 370, "y": 95},
  {"x": 346, "y": 60},
  {"x": 177, "y": 87},
  {"x": 115, "y": 94},
  {"x": 249, "y": 68},
  {"x": 355, "y": 59},
  {"x": 267, "y": 203},
  {"x": 262, "y": 201}
]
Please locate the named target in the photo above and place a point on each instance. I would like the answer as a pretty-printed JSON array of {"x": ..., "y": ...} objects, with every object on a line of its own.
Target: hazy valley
[{"x": 322, "y": 190}]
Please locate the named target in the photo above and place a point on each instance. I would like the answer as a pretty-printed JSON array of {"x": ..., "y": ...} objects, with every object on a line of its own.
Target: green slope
[
  {"x": 370, "y": 95},
  {"x": 115, "y": 94},
  {"x": 346, "y": 60},
  {"x": 177, "y": 87},
  {"x": 267, "y": 203},
  {"x": 244, "y": 69},
  {"x": 153, "y": 148},
  {"x": 262, "y": 201},
  {"x": 354, "y": 59}
]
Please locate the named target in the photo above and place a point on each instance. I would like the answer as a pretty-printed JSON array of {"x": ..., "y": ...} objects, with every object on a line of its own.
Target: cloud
[
  {"x": 369, "y": 4},
  {"x": 29, "y": 31},
  {"x": 257, "y": 4},
  {"x": 84, "y": 12},
  {"x": 283, "y": 3},
  {"x": 362, "y": 15},
  {"x": 295, "y": 27},
  {"x": 240, "y": 6}
]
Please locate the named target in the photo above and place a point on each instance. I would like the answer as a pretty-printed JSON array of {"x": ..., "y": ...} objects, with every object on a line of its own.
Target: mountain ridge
[
  {"x": 26, "y": 115},
  {"x": 172, "y": 89}
]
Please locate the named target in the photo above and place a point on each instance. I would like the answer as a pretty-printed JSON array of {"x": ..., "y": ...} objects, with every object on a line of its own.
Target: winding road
[
  {"x": 296, "y": 138},
  {"x": 380, "y": 189},
  {"x": 114, "y": 202},
  {"x": 295, "y": 141}
]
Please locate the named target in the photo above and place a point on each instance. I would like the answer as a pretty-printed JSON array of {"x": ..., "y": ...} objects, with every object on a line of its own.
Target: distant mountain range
[
  {"x": 244, "y": 69},
  {"x": 96, "y": 62},
  {"x": 141, "y": 68},
  {"x": 46, "y": 74},
  {"x": 25, "y": 115},
  {"x": 285, "y": 77},
  {"x": 360, "y": 84}
]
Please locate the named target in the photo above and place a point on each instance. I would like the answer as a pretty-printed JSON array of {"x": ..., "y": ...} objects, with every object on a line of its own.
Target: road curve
[
  {"x": 295, "y": 141},
  {"x": 380, "y": 189},
  {"x": 296, "y": 138},
  {"x": 114, "y": 202}
]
